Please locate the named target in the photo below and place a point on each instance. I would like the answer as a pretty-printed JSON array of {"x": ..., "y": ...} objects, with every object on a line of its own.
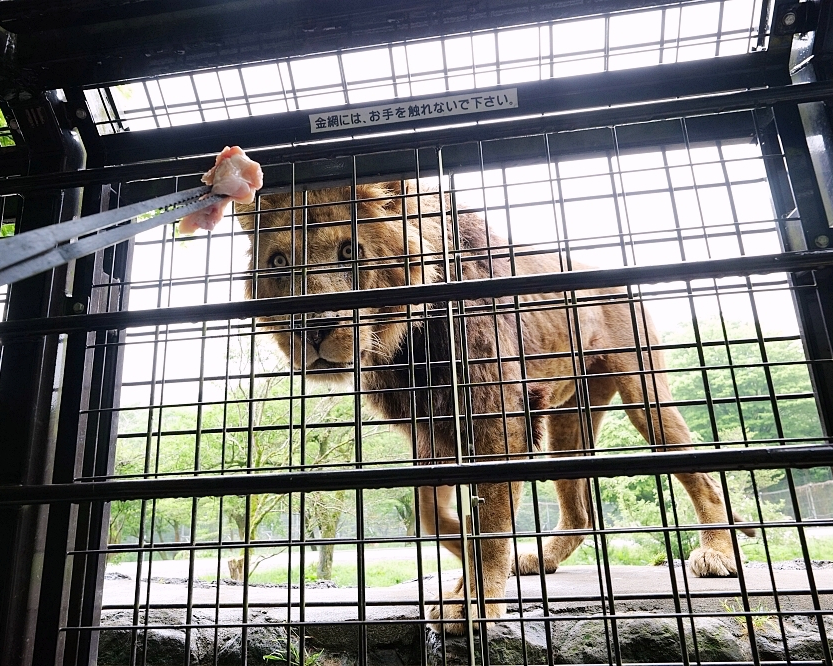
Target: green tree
[
  {"x": 250, "y": 431},
  {"x": 328, "y": 445},
  {"x": 743, "y": 409},
  {"x": 633, "y": 501},
  {"x": 403, "y": 504},
  {"x": 390, "y": 510}
]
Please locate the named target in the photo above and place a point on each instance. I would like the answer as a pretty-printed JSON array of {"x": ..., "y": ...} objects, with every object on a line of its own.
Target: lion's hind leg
[
  {"x": 668, "y": 429},
  {"x": 574, "y": 495}
]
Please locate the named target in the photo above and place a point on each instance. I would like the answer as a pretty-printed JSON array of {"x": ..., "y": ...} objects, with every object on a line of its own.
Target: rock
[
  {"x": 715, "y": 641},
  {"x": 803, "y": 639},
  {"x": 260, "y": 642},
  {"x": 790, "y": 564},
  {"x": 164, "y": 646},
  {"x": 507, "y": 644},
  {"x": 168, "y": 645},
  {"x": 115, "y": 575},
  {"x": 806, "y": 646},
  {"x": 394, "y": 638},
  {"x": 385, "y": 657},
  {"x": 770, "y": 648},
  {"x": 582, "y": 642},
  {"x": 398, "y": 631},
  {"x": 639, "y": 640},
  {"x": 648, "y": 640}
]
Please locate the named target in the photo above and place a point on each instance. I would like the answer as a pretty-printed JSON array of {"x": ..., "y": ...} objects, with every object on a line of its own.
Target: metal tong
[{"x": 35, "y": 251}]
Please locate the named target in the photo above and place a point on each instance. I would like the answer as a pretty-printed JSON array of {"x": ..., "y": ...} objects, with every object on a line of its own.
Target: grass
[
  {"x": 760, "y": 619},
  {"x": 820, "y": 548},
  {"x": 630, "y": 553},
  {"x": 377, "y": 574},
  {"x": 295, "y": 658},
  {"x": 782, "y": 546}
]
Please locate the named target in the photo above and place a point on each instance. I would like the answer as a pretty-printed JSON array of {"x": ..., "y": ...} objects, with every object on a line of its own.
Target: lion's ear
[
  {"x": 245, "y": 214},
  {"x": 396, "y": 188}
]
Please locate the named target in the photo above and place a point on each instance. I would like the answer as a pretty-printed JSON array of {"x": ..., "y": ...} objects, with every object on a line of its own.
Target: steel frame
[
  {"x": 451, "y": 474},
  {"x": 488, "y": 288},
  {"x": 54, "y": 47},
  {"x": 44, "y": 466}
]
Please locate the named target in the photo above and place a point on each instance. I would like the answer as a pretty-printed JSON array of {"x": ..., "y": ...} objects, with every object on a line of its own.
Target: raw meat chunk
[
  {"x": 234, "y": 176},
  {"x": 206, "y": 218}
]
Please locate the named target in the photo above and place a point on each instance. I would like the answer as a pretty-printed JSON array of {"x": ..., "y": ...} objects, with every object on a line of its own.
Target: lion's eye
[
  {"x": 345, "y": 252},
  {"x": 278, "y": 260}
]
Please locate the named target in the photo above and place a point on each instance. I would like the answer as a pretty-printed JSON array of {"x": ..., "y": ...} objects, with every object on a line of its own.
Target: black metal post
[
  {"x": 804, "y": 222},
  {"x": 90, "y": 381},
  {"x": 29, "y": 393}
]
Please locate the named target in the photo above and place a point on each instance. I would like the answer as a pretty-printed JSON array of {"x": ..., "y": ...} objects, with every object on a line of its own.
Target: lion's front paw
[
  {"x": 454, "y": 611},
  {"x": 527, "y": 565},
  {"x": 708, "y": 562}
]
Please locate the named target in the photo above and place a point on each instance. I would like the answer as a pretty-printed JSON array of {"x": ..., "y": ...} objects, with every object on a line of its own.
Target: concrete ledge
[{"x": 577, "y": 627}]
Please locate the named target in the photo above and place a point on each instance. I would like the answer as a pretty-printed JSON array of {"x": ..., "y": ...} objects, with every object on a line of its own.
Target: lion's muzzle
[
  {"x": 314, "y": 337},
  {"x": 324, "y": 340}
]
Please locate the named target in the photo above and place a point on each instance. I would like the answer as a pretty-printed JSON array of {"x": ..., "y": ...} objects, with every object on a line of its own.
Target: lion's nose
[{"x": 316, "y": 336}]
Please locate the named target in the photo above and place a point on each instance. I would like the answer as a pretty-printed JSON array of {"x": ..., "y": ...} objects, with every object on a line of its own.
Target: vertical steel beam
[
  {"x": 813, "y": 292},
  {"x": 96, "y": 453},
  {"x": 26, "y": 391},
  {"x": 69, "y": 525},
  {"x": 90, "y": 380},
  {"x": 800, "y": 208},
  {"x": 30, "y": 390}
]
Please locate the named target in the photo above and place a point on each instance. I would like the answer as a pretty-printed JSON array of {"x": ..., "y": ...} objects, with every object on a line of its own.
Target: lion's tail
[
  {"x": 748, "y": 531},
  {"x": 538, "y": 401}
]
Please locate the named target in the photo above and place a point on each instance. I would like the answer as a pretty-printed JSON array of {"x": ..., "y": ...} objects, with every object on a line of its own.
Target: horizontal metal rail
[
  {"x": 429, "y": 293},
  {"x": 577, "y": 467},
  {"x": 302, "y": 148},
  {"x": 743, "y": 72}
]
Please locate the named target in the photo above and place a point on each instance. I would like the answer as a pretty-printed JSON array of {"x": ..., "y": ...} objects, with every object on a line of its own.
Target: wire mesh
[
  {"x": 677, "y": 32},
  {"x": 355, "y": 575}
]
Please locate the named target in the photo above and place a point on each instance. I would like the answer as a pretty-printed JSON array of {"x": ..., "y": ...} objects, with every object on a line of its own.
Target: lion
[{"x": 394, "y": 225}]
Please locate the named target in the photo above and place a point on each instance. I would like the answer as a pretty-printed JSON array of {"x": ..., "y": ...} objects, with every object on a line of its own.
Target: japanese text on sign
[{"x": 394, "y": 112}]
